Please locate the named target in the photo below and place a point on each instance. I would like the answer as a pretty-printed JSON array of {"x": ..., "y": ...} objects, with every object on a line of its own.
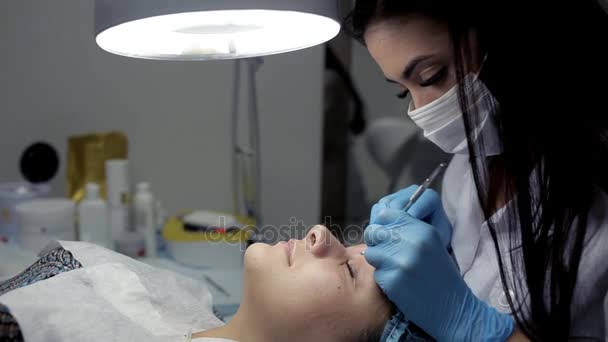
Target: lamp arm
[
  {"x": 235, "y": 144},
  {"x": 254, "y": 65}
]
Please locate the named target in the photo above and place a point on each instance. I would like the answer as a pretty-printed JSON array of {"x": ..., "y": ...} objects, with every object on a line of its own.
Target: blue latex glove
[
  {"x": 427, "y": 208},
  {"x": 415, "y": 271}
]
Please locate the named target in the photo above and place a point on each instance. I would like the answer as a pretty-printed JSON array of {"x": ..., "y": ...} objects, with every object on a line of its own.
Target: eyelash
[
  {"x": 431, "y": 81},
  {"x": 435, "y": 78},
  {"x": 403, "y": 95},
  {"x": 350, "y": 269}
]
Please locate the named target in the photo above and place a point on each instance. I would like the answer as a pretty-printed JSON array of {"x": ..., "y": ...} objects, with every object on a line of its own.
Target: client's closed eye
[{"x": 350, "y": 268}]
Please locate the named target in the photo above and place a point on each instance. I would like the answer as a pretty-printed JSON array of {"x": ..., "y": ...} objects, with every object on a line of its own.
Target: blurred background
[{"x": 335, "y": 139}]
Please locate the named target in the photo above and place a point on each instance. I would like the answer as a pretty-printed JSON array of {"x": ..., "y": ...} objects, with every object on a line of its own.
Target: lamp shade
[{"x": 212, "y": 29}]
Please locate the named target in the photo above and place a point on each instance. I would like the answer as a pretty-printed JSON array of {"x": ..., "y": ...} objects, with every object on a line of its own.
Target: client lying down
[{"x": 313, "y": 289}]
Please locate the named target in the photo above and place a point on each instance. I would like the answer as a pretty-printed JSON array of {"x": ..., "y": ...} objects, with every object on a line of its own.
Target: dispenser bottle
[
  {"x": 93, "y": 218},
  {"x": 145, "y": 219}
]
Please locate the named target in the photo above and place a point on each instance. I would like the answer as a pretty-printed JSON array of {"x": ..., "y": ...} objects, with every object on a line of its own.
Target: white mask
[{"x": 443, "y": 124}]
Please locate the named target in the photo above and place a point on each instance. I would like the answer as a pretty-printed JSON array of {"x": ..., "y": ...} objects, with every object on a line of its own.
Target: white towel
[{"x": 111, "y": 298}]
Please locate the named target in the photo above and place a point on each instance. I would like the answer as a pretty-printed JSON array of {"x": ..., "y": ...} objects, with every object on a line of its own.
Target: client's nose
[{"x": 321, "y": 242}]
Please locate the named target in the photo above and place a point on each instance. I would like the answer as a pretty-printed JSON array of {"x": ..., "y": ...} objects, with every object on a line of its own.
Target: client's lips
[
  {"x": 290, "y": 249},
  {"x": 287, "y": 246}
]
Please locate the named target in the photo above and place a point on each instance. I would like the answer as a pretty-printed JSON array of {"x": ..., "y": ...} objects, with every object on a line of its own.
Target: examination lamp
[
  {"x": 212, "y": 29},
  {"x": 197, "y": 30}
]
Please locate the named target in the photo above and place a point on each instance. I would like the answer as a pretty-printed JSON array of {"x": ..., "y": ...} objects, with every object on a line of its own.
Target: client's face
[{"x": 314, "y": 288}]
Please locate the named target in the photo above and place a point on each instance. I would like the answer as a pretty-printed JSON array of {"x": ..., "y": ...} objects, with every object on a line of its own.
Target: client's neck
[{"x": 242, "y": 327}]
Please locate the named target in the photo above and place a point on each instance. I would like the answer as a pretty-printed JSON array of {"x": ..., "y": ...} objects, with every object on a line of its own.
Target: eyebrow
[{"x": 410, "y": 67}]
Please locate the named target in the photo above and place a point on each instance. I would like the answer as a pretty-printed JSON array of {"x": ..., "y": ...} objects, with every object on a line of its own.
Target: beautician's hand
[
  {"x": 427, "y": 208},
  {"x": 415, "y": 271}
]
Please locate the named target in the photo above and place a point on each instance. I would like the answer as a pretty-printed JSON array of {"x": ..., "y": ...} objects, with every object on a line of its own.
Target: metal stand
[{"x": 246, "y": 162}]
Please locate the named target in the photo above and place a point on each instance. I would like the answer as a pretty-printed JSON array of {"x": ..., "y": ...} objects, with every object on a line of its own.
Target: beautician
[{"x": 516, "y": 246}]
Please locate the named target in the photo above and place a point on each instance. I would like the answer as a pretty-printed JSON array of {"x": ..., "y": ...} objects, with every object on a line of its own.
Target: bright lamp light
[
  {"x": 193, "y": 30},
  {"x": 212, "y": 29}
]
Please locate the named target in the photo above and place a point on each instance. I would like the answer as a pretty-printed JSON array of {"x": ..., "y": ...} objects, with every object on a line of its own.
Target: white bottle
[
  {"x": 119, "y": 197},
  {"x": 93, "y": 218},
  {"x": 161, "y": 219},
  {"x": 145, "y": 220}
]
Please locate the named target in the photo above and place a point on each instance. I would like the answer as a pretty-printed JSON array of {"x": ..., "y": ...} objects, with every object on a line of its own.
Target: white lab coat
[{"x": 474, "y": 251}]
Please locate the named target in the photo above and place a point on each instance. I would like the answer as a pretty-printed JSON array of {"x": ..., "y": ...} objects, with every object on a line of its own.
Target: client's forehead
[
  {"x": 356, "y": 248},
  {"x": 365, "y": 269}
]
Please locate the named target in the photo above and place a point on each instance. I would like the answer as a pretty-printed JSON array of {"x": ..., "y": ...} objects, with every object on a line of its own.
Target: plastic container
[
  {"x": 119, "y": 197},
  {"x": 131, "y": 244},
  {"x": 45, "y": 220},
  {"x": 117, "y": 180},
  {"x": 93, "y": 219},
  {"x": 161, "y": 218},
  {"x": 11, "y": 195},
  {"x": 145, "y": 220},
  {"x": 207, "y": 249}
]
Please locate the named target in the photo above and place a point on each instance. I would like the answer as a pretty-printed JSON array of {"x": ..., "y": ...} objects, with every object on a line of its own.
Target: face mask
[{"x": 443, "y": 124}]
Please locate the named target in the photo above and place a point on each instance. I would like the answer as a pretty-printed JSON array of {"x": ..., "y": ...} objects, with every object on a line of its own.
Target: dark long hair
[{"x": 547, "y": 65}]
